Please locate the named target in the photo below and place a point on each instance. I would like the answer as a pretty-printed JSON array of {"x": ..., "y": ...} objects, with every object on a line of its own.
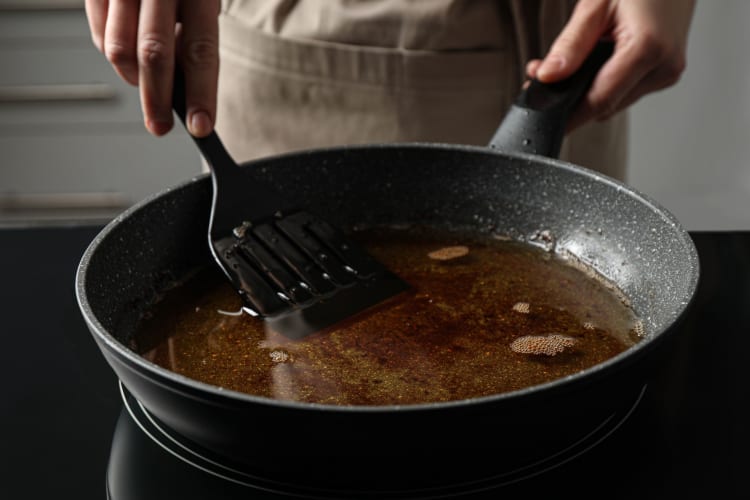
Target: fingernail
[
  {"x": 551, "y": 65},
  {"x": 200, "y": 124},
  {"x": 158, "y": 127}
]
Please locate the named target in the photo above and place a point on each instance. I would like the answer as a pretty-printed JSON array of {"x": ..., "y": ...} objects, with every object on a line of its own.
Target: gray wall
[
  {"x": 71, "y": 135},
  {"x": 690, "y": 144}
]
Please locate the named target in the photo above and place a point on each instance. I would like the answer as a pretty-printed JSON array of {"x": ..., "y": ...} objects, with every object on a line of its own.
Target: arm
[
  {"x": 650, "y": 39},
  {"x": 143, "y": 39}
]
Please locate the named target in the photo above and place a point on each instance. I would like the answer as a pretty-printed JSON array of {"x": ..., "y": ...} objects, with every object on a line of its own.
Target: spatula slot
[
  {"x": 246, "y": 278},
  {"x": 254, "y": 252},
  {"x": 322, "y": 254},
  {"x": 308, "y": 271}
]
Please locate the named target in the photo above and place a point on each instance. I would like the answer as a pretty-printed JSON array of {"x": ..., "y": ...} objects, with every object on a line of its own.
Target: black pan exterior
[{"x": 626, "y": 237}]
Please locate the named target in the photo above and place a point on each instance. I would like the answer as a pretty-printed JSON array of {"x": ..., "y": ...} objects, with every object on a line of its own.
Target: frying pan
[{"x": 509, "y": 188}]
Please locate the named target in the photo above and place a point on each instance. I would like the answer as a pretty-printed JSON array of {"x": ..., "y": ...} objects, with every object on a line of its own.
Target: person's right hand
[
  {"x": 650, "y": 38},
  {"x": 143, "y": 39}
]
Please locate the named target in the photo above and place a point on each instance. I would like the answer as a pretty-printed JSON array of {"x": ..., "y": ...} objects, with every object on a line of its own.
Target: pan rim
[{"x": 208, "y": 392}]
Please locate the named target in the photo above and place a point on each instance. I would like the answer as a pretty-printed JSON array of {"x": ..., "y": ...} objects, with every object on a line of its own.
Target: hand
[
  {"x": 142, "y": 39},
  {"x": 650, "y": 39}
]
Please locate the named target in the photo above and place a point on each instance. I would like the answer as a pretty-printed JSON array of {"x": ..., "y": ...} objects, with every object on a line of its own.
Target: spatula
[{"x": 293, "y": 269}]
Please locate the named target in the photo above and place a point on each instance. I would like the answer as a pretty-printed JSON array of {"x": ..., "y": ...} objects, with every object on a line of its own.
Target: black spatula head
[{"x": 293, "y": 269}]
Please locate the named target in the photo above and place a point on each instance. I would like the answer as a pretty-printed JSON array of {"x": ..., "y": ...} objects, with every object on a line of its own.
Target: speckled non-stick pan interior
[{"x": 623, "y": 235}]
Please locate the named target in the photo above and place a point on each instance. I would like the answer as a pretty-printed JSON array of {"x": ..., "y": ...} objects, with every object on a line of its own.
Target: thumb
[{"x": 589, "y": 21}]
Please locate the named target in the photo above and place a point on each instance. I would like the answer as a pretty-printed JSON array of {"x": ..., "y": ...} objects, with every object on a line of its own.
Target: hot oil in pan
[{"x": 486, "y": 316}]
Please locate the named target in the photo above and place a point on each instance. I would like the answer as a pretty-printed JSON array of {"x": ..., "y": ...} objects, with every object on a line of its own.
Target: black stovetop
[{"x": 689, "y": 436}]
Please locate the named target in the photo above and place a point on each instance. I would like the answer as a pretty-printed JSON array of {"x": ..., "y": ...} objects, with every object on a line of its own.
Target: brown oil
[{"x": 498, "y": 317}]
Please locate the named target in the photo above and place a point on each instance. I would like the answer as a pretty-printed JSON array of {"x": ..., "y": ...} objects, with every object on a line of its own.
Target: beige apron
[{"x": 301, "y": 74}]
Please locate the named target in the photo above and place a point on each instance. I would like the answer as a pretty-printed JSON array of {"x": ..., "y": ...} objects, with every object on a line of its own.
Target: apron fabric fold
[{"x": 305, "y": 74}]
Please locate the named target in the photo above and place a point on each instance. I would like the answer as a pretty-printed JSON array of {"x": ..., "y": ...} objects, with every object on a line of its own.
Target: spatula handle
[
  {"x": 239, "y": 195},
  {"x": 211, "y": 147}
]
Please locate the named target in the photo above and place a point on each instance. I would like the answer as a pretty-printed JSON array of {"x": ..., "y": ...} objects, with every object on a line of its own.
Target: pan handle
[{"x": 536, "y": 122}]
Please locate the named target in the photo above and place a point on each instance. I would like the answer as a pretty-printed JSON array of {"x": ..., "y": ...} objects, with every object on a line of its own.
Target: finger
[
  {"x": 589, "y": 21},
  {"x": 199, "y": 57},
  {"x": 660, "y": 78},
  {"x": 532, "y": 67},
  {"x": 156, "y": 46},
  {"x": 120, "y": 39},
  {"x": 642, "y": 62},
  {"x": 96, "y": 13},
  {"x": 596, "y": 106},
  {"x": 631, "y": 62}
]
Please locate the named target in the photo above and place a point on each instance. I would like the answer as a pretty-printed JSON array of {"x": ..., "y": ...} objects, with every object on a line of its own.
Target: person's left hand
[{"x": 650, "y": 39}]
